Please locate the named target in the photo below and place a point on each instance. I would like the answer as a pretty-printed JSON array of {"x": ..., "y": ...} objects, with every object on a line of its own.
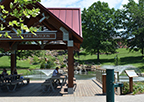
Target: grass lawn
[
  {"x": 23, "y": 65},
  {"x": 125, "y": 58}
]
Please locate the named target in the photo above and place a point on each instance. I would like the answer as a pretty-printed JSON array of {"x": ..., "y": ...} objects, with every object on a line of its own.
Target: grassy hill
[{"x": 125, "y": 58}]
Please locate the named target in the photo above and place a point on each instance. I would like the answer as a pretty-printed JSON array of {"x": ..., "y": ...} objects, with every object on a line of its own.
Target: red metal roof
[{"x": 70, "y": 16}]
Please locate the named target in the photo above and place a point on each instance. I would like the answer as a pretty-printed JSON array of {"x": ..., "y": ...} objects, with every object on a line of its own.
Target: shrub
[
  {"x": 50, "y": 64},
  {"x": 35, "y": 60},
  {"x": 138, "y": 87},
  {"x": 53, "y": 59},
  {"x": 63, "y": 65},
  {"x": 60, "y": 58},
  {"x": 34, "y": 66},
  {"x": 42, "y": 64},
  {"x": 125, "y": 88},
  {"x": 116, "y": 60}
]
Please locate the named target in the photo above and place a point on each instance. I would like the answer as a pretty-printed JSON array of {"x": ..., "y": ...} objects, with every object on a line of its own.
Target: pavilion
[{"x": 59, "y": 25}]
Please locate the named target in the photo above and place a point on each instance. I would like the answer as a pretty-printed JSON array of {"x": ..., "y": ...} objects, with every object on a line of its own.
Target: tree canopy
[
  {"x": 19, "y": 11},
  {"x": 99, "y": 24},
  {"x": 133, "y": 25},
  {"x": 13, "y": 17}
]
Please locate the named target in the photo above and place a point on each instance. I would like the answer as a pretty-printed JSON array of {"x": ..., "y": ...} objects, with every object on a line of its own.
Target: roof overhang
[{"x": 48, "y": 19}]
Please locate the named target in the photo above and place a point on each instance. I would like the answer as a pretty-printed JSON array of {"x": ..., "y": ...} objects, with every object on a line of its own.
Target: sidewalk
[{"x": 126, "y": 98}]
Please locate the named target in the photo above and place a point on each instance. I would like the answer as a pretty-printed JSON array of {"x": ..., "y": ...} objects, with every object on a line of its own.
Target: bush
[
  {"x": 60, "y": 58},
  {"x": 116, "y": 60},
  {"x": 53, "y": 59},
  {"x": 35, "y": 60},
  {"x": 138, "y": 87},
  {"x": 50, "y": 64},
  {"x": 63, "y": 65},
  {"x": 125, "y": 88},
  {"x": 42, "y": 64},
  {"x": 34, "y": 66}
]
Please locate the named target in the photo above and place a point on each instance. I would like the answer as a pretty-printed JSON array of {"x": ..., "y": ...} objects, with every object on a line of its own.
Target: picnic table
[
  {"x": 62, "y": 78},
  {"x": 52, "y": 82},
  {"x": 11, "y": 81}
]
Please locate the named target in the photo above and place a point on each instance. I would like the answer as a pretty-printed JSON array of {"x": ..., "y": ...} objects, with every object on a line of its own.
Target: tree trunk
[
  {"x": 98, "y": 56},
  {"x": 15, "y": 59},
  {"x": 142, "y": 52}
]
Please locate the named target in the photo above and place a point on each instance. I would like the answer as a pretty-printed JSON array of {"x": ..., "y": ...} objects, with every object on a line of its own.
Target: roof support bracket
[
  {"x": 70, "y": 43},
  {"x": 44, "y": 17},
  {"x": 14, "y": 46},
  {"x": 65, "y": 34},
  {"x": 42, "y": 46}
]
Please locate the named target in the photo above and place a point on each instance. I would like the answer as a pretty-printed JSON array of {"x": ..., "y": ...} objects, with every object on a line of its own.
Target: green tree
[
  {"x": 23, "y": 54},
  {"x": 133, "y": 23},
  {"x": 99, "y": 27},
  {"x": 17, "y": 11}
]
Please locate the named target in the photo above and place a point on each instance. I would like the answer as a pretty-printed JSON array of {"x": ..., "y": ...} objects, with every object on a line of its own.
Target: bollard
[
  {"x": 104, "y": 83},
  {"x": 110, "y": 85}
]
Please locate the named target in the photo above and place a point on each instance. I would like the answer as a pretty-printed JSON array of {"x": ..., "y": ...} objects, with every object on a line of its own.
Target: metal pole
[{"x": 110, "y": 85}]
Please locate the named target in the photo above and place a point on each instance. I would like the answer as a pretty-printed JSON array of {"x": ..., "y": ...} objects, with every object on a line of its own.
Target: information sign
[{"x": 131, "y": 73}]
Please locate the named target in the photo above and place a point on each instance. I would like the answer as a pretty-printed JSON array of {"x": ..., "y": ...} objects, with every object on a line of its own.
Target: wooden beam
[
  {"x": 37, "y": 47},
  {"x": 70, "y": 67},
  {"x": 131, "y": 84},
  {"x": 49, "y": 26},
  {"x": 12, "y": 61},
  {"x": 77, "y": 46}
]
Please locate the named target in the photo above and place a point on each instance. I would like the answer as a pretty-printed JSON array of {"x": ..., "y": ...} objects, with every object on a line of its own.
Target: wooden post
[
  {"x": 104, "y": 83},
  {"x": 131, "y": 84},
  {"x": 12, "y": 61},
  {"x": 70, "y": 67},
  {"x": 131, "y": 74}
]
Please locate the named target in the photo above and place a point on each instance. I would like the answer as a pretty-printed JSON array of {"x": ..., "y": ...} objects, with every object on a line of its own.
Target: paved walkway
[
  {"x": 86, "y": 91},
  {"x": 127, "y": 98}
]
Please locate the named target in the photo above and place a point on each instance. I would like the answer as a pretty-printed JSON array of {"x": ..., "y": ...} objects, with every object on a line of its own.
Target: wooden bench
[
  {"x": 3, "y": 83},
  {"x": 14, "y": 83},
  {"x": 47, "y": 85}
]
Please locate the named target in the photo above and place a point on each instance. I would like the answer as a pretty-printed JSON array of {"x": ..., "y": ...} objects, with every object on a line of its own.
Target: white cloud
[
  {"x": 57, "y": 3},
  {"x": 87, "y": 3},
  {"x": 126, "y": 1},
  {"x": 81, "y": 3},
  {"x": 112, "y": 3}
]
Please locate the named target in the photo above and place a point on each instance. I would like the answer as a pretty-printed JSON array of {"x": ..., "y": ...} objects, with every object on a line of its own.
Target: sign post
[{"x": 131, "y": 74}]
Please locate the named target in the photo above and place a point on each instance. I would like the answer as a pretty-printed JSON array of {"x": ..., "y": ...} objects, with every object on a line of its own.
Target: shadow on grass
[
  {"x": 141, "y": 68},
  {"x": 102, "y": 61},
  {"x": 83, "y": 53},
  {"x": 131, "y": 60},
  {"x": 8, "y": 67},
  {"x": 123, "y": 61}
]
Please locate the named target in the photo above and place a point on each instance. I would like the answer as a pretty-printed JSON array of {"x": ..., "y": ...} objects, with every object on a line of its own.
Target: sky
[{"x": 82, "y": 3}]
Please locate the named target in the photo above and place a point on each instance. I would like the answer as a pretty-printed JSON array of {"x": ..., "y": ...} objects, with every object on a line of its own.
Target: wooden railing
[{"x": 100, "y": 72}]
